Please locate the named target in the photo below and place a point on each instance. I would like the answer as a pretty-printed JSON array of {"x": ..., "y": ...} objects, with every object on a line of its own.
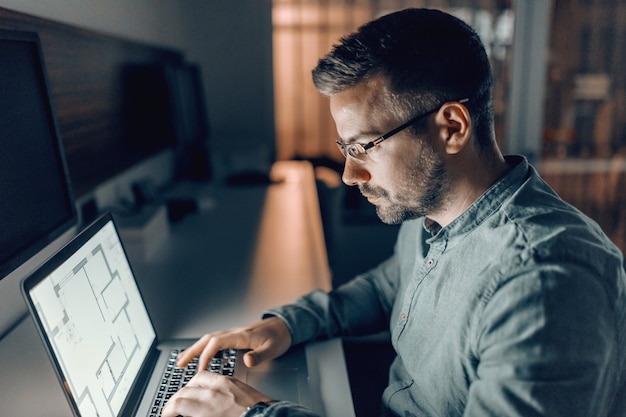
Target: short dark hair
[{"x": 428, "y": 56}]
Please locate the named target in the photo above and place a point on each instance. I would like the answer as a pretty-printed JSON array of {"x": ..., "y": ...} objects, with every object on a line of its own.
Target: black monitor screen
[{"x": 36, "y": 202}]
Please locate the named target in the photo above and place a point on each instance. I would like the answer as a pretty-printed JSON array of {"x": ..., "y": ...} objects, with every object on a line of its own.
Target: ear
[{"x": 454, "y": 125}]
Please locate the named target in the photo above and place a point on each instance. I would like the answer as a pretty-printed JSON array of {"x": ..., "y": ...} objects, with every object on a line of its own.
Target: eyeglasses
[{"x": 359, "y": 152}]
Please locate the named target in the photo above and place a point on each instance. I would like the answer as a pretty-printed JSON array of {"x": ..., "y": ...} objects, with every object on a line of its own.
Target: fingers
[
  {"x": 207, "y": 347},
  {"x": 184, "y": 406},
  {"x": 212, "y": 345},
  {"x": 192, "y": 351},
  {"x": 266, "y": 339},
  {"x": 199, "y": 397},
  {"x": 209, "y": 394}
]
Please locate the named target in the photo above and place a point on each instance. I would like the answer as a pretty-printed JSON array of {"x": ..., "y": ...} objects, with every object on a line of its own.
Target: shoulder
[
  {"x": 553, "y": 228},
  {"x": 542, "y": 243}
]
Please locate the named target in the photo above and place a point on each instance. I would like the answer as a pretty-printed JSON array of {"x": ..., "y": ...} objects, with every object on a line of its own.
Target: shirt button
[
  {"x": 430, "y": 262},
  {"x": 404, "y": 317}
]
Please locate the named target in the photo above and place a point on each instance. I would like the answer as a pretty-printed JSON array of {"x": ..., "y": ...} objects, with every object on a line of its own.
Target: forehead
[{"x": 362, "y": 109}]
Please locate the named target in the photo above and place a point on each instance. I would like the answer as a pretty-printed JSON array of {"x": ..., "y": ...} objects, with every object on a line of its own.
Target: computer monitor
[
  {"x": 165, "y": 104},
  {"x": 36, "y": 199},
  {"x": 190, "y": 112}
]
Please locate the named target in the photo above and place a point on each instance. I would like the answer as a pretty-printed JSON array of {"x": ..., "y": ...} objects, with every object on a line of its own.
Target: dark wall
[{"x": 85, "y": 78}]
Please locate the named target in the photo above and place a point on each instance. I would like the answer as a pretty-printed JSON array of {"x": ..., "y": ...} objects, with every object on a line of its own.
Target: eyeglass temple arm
[{"x": 405, "y": 125}]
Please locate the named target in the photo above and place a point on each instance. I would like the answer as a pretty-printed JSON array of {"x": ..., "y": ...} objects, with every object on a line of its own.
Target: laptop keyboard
[{"x": 174, "y": 377}]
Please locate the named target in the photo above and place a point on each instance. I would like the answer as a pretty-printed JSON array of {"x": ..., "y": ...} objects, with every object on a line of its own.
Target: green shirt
[{"x": 516, "y": 308}]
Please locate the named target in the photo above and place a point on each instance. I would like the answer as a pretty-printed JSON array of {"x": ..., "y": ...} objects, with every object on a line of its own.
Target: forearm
[{"x": 359, "y": 307}]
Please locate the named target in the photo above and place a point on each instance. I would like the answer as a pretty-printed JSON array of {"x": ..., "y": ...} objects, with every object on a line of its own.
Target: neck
[{"x": 468, "y": 183}]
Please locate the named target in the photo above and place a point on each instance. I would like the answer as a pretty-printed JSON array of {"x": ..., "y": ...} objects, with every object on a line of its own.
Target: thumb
[
  {"x": 255, "y": 357},
  {"x": 263, "y": 353},
  {"x": 251, "y": 358},
  {"x": 269, "y": 339}
]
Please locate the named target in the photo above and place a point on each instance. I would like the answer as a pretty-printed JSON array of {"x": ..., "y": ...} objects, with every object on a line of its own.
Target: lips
[
  {"x": 372, "y": 195},
  {"x": 372, "y": 199}
]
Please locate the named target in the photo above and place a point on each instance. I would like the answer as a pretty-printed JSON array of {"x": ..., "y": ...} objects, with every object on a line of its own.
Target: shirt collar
[{"x": 485, "y": 205}]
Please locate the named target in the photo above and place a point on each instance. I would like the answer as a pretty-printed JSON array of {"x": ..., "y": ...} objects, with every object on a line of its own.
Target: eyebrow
[{"x": 360, "y": 137}]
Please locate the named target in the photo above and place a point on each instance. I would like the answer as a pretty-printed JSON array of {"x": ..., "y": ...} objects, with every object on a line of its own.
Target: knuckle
[{"x": 177, "y": 400}]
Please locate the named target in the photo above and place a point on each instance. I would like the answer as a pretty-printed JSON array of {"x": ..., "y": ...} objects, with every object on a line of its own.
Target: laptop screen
[{"x": 93, "y": 319}]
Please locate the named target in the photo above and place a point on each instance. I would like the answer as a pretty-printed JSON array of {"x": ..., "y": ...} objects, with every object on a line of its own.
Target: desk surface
[
  {"x": 252, "y": 248},
  {"x": 256, "y": 247}
]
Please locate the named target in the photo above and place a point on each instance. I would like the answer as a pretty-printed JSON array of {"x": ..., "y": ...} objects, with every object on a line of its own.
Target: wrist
[{"x": 258, "y": 409}]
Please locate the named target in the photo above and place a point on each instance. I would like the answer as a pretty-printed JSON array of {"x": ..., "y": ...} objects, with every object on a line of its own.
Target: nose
[{"x": 354, "y": 173}]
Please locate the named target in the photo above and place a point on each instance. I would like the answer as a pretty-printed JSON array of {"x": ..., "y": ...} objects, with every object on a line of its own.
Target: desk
[{"x": 255, "y": 248}]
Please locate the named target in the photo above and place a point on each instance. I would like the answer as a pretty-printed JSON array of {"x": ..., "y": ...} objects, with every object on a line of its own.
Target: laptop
[{"x": 89, "y": 311}]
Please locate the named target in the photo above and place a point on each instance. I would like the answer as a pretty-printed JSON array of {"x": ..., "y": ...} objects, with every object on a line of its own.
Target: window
[
  {"x": 584, "y": 139},
  {"x": 305, "y": 30}
]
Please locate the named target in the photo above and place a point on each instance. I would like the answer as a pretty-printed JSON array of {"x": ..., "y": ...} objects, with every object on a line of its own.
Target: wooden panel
[
  {"x": 597, "y": 187},
  {"x": 85, "y": 79}
]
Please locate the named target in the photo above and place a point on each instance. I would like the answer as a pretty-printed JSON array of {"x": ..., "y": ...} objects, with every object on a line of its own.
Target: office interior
[{"x": 560, "y": 100}]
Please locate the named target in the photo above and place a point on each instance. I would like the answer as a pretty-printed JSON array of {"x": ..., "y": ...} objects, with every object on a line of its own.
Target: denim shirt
[{"x": 516, "y": 308}]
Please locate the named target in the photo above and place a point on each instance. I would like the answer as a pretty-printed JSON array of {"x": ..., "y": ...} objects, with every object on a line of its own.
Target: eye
[{"x": 353, "y": 150}]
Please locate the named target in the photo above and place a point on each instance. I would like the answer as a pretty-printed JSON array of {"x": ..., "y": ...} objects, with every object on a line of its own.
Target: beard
[{"x": 423, "y": 190}]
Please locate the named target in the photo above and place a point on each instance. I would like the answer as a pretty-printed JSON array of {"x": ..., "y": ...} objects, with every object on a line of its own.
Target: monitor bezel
[{"x": 32, "y": 248}]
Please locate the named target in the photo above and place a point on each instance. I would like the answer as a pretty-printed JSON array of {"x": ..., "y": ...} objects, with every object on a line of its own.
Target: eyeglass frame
[{"x": 345, "y": 148}]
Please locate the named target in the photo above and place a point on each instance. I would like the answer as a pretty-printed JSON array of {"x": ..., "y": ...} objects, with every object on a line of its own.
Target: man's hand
[
  {"x": 214, "y": 395},
  {"x": 266, "y": 339}
]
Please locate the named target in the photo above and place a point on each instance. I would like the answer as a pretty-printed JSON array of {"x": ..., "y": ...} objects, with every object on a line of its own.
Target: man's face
[{"x": 404, "y": 176}]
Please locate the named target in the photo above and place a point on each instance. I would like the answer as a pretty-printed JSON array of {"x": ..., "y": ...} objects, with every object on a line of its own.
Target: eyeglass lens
[{"x": 355, "y": 150}]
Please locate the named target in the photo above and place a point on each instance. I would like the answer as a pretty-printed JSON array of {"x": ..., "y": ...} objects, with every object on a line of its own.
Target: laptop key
[{"x": 174, "y": 377}]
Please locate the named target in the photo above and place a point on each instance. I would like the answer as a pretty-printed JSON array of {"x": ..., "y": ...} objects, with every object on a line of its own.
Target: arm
[
  {"x": 320, "y": 314},
  {"x": 546, "y": 344},
  {"x": 313, "y": 316},
  {"x": 210, "y": 394},
  {"x": 214, "y": 395},
  {"x": 359, "y": 307}
]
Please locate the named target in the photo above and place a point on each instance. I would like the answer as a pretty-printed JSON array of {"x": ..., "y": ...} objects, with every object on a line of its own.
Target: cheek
[
  {"x": 386, "y": 174},
  {"x": 398, "y": 169},
  {"x": 394, "y": 177},
  {"x": 403, "y": 163}
]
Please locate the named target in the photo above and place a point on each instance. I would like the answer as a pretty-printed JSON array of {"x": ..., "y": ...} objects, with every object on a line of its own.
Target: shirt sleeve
[
  {"x": 288, "y": 409},
  {"x": 361, "y": 306},
  {"x": 546, "y": 345}
]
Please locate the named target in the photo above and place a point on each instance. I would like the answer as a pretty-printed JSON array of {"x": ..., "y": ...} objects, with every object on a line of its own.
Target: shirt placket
[{"x": 422, "y": 270}]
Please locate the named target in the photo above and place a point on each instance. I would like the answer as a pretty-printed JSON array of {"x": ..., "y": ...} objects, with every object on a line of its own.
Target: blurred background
[{"x": 560, "y": 71}]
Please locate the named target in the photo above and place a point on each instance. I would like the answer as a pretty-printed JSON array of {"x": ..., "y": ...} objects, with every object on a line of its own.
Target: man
[{"x": 501, "y": 299}]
